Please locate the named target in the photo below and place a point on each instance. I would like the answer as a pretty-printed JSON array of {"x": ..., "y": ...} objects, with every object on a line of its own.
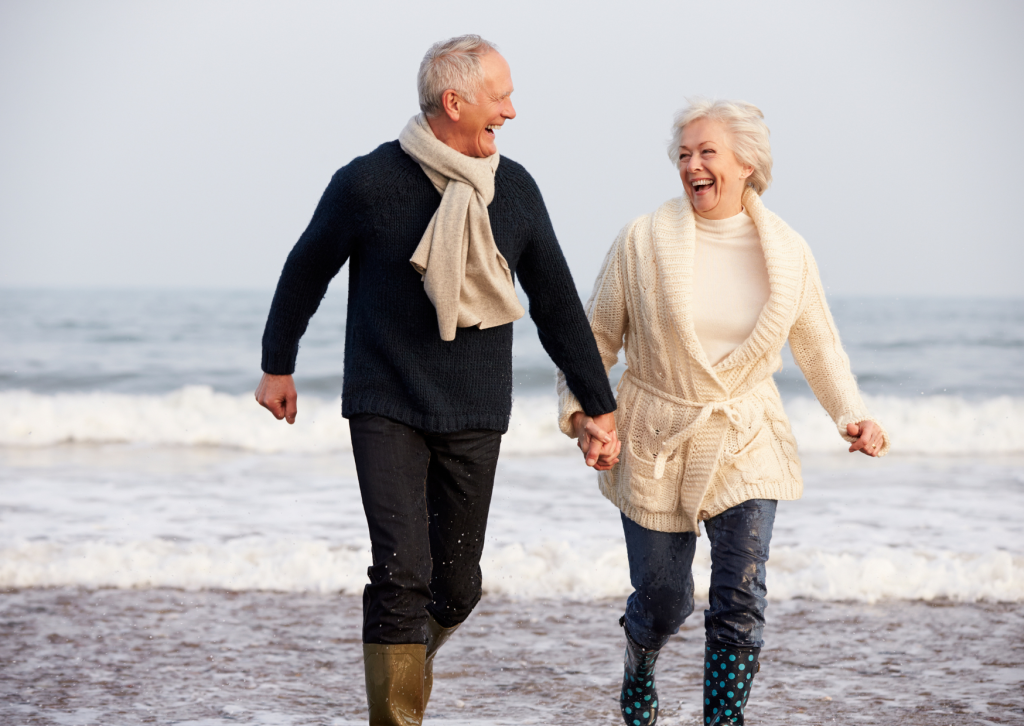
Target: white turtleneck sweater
[{"x": 730, "y": 283}]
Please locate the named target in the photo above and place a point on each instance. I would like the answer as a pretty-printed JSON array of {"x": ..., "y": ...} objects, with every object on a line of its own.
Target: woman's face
[{"x": 714, "y": 179}]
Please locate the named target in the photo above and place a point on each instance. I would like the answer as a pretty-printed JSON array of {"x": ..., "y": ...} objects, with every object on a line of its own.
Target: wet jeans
[
  {"x": 661, "y": 572},
  {"x": 426, "y": 498}
]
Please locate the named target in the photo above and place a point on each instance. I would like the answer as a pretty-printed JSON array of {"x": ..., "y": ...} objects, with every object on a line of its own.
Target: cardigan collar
[{"x": 674, "y": 234}]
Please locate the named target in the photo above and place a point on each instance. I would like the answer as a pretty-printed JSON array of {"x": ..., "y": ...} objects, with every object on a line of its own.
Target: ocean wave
[
  {"x": 550, "y": 569},
  {"x": 931, "y": 425},
  {"x": 200, "y": 416}
]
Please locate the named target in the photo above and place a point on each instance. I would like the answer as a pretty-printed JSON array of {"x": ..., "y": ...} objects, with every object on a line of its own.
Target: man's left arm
[{"x": 558, "y": 313}]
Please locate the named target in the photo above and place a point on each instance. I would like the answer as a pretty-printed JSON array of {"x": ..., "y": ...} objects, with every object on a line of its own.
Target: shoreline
[{"x": 204, "y": 658}]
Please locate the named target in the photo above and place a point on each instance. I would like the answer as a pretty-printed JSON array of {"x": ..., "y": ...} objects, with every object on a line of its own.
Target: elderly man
[{"x": 435, "y": 229}]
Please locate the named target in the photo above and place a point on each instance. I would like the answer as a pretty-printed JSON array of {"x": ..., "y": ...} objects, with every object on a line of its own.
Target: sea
[{"x": 142, "y": 488}]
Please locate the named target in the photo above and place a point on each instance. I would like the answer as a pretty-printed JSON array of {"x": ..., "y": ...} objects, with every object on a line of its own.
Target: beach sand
[{"x": 162, "y": 656}]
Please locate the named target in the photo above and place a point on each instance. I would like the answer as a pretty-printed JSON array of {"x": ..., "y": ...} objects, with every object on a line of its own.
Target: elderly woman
[{"x": 702, "y": 295}]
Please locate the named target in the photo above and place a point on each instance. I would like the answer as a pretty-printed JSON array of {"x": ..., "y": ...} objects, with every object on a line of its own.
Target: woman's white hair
[
  {"x": 747, "y": 129},
  {"x": 452, "y": 64}
]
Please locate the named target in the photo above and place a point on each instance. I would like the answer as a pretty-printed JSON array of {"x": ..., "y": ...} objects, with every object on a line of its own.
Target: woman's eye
[
  {"x": 708, "y": 151},
  {"x": 683, "y": 156}
]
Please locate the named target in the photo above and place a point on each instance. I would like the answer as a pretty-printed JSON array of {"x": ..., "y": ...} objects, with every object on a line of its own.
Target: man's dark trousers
[{"x": 426, "y": 498}]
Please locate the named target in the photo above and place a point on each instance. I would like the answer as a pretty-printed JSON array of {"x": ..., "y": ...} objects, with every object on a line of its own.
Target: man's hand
[
  {"x": 869, "y": 439},
  {"x": 597, "y": 439},
  {"x": 277, "y": 395}
]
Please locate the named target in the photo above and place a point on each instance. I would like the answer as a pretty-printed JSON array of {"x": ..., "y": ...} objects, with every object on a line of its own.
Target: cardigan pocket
[
  {"x": 750, "y": 456},
  {"x": 648, "y": 421},
  {"x": 646, "y": 492},
  {"x": 755, "y": 463}
]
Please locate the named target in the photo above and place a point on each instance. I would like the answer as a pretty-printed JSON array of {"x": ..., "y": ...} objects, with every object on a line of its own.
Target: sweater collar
[{"x": 674, "y": 235}]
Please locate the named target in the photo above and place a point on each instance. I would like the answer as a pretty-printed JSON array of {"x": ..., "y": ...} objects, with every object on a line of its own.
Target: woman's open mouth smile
[{"x": 702, "y": 186}]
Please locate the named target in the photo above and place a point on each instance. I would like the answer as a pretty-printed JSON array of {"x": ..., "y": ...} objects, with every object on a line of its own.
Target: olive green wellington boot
[
  {"x": 437, "y": 635},
  {"x": 394, "y": 683}
]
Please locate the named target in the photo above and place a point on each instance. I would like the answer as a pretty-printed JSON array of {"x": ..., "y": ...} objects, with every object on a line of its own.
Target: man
[{"x": 434, "y": 227}]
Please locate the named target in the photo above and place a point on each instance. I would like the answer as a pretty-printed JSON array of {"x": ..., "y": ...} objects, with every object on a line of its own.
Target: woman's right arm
[{"x": 606, "y": 311}]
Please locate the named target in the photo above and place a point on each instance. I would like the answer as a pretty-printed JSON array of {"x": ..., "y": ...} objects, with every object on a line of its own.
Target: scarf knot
[{"x": 464, "y": 274}]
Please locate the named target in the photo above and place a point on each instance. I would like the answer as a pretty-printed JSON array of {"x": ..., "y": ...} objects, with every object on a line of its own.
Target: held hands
[
  {"x": 277, "y": 395},
  {"x": 597, "y": 439},
  {"x": 869, "y": 437}
]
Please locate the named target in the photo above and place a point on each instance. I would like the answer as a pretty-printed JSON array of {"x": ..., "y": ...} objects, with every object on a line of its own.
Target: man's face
[{"x": 477, "y": 125}]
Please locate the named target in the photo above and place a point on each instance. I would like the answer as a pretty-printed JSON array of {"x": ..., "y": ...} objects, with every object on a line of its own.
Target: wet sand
[{"x": 116, "y": 657}]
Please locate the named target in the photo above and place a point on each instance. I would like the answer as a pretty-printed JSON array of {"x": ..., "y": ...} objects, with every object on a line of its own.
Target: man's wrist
[{"x": 605, "y": 421}]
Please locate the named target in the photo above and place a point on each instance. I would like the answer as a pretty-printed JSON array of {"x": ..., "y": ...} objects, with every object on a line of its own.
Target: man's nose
[{"x": 509, "y": 111}]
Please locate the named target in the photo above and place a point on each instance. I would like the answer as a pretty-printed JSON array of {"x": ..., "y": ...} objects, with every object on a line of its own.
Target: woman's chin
[{"x": 703, "y": 207}]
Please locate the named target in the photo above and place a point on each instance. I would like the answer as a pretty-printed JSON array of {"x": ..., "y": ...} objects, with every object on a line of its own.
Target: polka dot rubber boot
[
  {"x": 728, "y": 674},
  {"x": 639, "y": 699}
]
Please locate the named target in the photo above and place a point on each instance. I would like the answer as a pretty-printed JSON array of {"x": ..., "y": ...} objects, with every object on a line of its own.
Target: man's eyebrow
[{"x": 503, "y": 96}]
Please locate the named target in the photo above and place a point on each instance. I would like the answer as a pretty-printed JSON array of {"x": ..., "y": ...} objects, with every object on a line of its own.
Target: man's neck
[{"x": 444, "y": 132}]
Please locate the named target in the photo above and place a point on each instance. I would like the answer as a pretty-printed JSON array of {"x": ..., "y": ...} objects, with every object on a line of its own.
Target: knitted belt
[{"x": 706, "y": 410}]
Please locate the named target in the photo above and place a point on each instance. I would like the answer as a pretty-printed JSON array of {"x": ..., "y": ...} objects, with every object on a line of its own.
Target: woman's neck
[{"x": 723, "y": 211}]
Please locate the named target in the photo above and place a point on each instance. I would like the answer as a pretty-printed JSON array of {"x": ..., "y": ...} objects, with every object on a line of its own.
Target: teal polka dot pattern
[
  {"x": 725, "y": 693},
  {"x": 639, "y": 698}
]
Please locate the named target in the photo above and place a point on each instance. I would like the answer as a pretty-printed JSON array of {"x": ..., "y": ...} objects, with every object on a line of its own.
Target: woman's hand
[
  {"x": 597, "y": 439},
  {"x": 869, "y": 437}
]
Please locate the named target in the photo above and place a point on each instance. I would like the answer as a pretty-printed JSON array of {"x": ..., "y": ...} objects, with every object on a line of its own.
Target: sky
[{"x": 185, "y": 144}]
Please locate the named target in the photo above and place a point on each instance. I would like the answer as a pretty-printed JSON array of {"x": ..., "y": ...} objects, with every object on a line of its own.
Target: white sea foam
[
  {"x": 547, "y": 569},
  {"x": 199, "y": 416},
  {"x": 190, "y": 416},
  {"x": 242, "y": 564},
  {"x": 934, "y": 425},
  {"x": 212, "y": 493}
]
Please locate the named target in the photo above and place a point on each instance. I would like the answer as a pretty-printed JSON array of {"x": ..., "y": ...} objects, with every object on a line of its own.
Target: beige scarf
[{"x": 464, "y": 274}]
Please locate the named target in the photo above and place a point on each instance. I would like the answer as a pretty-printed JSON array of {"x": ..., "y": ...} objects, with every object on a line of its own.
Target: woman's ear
[{"x": 747, "y": 171}]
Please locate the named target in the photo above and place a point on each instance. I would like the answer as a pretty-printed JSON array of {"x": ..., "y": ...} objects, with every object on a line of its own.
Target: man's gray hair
[
  {"x": 452, "y": 64},
  {"x": 747, "y": 130}
]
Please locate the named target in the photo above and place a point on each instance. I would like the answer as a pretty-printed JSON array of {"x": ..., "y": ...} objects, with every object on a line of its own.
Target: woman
[{"x": 703, "y": 294}]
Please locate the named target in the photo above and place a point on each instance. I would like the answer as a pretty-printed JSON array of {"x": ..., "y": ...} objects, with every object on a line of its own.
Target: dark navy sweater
[{"x": 373, "y": 215}]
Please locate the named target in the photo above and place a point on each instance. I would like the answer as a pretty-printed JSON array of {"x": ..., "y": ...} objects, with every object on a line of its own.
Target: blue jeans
[{"x": 661, "y": 572}]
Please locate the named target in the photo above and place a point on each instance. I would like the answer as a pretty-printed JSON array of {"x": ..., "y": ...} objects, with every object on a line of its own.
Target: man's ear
[{"x": 452, "y": 104}]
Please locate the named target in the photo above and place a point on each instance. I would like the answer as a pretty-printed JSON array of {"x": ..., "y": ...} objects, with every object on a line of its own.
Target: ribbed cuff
[
  {"x": 598, "y": 403},
  {"x": 278, "y": 363}
]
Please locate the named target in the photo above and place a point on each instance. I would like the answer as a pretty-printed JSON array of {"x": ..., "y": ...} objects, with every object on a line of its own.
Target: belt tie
[{"x": 706, "y": 410}]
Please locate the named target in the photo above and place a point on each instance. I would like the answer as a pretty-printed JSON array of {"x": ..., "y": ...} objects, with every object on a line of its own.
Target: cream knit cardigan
[{"x": 698, "y": 439}]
